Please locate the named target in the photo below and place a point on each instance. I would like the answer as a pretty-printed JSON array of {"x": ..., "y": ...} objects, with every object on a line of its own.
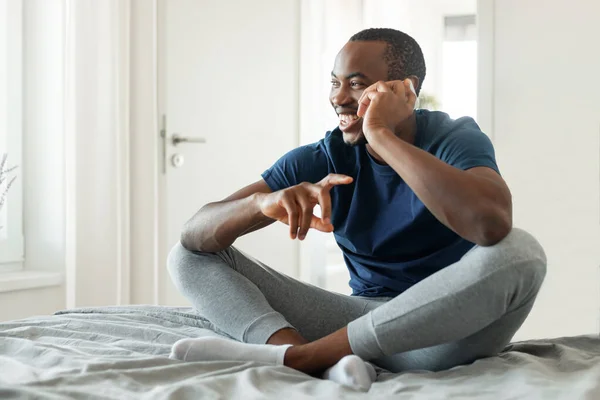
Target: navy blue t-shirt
[{"x": 389, "y": 239}]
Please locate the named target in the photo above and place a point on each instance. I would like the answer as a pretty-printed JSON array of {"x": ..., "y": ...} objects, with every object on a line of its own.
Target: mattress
[{"x": 122, "y": 353}]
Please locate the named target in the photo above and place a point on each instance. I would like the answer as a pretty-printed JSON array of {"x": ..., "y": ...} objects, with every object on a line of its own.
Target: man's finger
[
  {"x": 366, "y": 99},
  {"x": 292, "y": 213},
  {"x": 362, "y": 107},
  {"x": 379, "y": 86},
  {"x": 382, "y": 86},
  {"x": 335, "y": 179},
  {"x": 397, "y": 87},
  {"x": 299, "y": 221},
  {"x": 370, "y": 89},
  {"x": 305, "y": 217},
  {"x": 318, "y": 224},
  {"x": 325, "y": 202}
]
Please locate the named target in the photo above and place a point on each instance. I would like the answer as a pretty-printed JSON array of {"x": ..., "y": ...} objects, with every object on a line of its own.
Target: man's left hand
[{"x": 384, "y": 105}]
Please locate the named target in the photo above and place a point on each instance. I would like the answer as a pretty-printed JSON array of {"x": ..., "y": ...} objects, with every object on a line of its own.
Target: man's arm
[
  {"x": 476, "y": 203},
  {"x": 217, "y": 225}
]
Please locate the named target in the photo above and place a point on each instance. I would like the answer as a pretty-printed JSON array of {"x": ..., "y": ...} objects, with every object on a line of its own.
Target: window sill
[{"x": 22, "y": 280}]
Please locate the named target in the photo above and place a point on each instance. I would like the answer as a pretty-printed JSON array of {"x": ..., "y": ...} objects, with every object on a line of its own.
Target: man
[{"x": 418, "y": 208}]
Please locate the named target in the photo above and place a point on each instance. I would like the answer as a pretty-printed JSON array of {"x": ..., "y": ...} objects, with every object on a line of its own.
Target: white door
[
  {"x": 547, "y": 138},
  {"x": 229, "y": 77}
]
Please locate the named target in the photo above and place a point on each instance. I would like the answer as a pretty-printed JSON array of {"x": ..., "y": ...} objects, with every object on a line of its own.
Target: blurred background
[{"x": 124, "y": 117}]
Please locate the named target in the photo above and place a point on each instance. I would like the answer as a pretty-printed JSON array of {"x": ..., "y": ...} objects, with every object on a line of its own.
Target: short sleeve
[
  {"x": 303, "y": 164},
  {"x": 466, "y": 148}
]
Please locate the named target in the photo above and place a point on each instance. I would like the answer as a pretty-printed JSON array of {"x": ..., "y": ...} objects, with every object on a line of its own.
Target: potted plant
[
  {"x": 5, "y": 182},
  {"x": 428, "y": 101}
]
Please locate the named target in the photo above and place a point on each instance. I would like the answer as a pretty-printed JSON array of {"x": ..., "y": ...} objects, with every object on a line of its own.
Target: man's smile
[{"x": 349, "y": 120}]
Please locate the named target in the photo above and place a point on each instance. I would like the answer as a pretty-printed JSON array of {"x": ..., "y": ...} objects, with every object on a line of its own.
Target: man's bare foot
[
  {"x": 287, "y": 336},
  {"x": 316, "y": 357}
]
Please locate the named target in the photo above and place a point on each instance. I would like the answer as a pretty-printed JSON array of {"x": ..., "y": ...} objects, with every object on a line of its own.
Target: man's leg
[
  {"x": 250, "y": 301},
  {"x": 469, "y": 309},
  {"x": 487, "y": 342},
  {"x": 255, "y": 304}
]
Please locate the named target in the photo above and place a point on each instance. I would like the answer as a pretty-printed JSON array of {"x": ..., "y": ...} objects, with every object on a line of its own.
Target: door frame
[
  {"x": 486, "y": 61},
  {"x": 148, "y": 258}
]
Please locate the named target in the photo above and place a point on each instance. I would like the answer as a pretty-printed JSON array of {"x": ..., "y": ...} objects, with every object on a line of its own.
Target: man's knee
[
  {"x": 520, "y": 253},
  {"x": 181, "y": 259},
  {"x": 178, "y": 260}
]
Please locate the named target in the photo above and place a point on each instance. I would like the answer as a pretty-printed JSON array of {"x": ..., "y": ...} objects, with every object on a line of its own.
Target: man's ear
[{"x": 415, "y": 81}]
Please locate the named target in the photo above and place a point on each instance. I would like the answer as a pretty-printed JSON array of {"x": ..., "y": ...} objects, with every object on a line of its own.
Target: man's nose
[{"x": 341, "y": 97}]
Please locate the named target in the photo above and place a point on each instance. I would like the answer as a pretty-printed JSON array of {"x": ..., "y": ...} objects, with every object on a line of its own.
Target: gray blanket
[{"x": 121, "y": 353}]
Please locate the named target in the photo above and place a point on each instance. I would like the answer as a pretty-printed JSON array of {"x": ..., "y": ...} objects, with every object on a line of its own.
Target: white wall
[
  {"x": 547, "y": 136},
  {"x": 27, "y": 303}
]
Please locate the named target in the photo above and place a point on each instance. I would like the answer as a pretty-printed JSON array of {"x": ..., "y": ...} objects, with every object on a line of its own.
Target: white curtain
[{"x": 97, "y": 139}]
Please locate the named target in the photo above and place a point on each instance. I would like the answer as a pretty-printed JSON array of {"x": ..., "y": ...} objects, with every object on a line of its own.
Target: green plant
[
  {"x": 428, "y": 101},
  {"x": 4, "y": 179}
]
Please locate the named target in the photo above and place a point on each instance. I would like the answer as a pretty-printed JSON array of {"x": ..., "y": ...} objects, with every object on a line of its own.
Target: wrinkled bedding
[{"x": 121, "y": 353}]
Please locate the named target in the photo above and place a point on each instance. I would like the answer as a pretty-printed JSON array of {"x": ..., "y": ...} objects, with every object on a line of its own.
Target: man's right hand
[{"x": 294, "y": 206}]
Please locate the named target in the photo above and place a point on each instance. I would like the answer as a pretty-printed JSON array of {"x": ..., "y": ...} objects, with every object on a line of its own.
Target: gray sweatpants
[{"x": 468, "y": 310}]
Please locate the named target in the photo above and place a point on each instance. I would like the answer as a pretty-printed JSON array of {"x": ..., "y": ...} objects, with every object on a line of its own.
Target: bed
[{"x": 122, "y": 353}]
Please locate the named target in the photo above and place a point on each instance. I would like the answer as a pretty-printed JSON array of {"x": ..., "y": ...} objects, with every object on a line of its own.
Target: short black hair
[{"x": 403, "y": 54}]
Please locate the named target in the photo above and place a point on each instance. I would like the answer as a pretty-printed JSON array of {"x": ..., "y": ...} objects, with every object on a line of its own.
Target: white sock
[
  {"x": 352, "y": 371},
  {"x": 221, "y": 349}
]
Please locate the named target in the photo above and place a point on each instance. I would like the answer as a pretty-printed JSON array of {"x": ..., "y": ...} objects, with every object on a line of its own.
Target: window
[
  {"x": 460, "y": 66},
  {"x": 11, "y": 215}
]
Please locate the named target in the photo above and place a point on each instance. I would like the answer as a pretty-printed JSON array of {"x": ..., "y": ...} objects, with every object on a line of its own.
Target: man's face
[{"x": 358, "y": 65}]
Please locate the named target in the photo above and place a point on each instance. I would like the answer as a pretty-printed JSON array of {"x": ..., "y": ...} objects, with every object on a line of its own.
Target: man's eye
[
  {"x": 355, "y": 84},
  {"x": 335, "y": 83}
]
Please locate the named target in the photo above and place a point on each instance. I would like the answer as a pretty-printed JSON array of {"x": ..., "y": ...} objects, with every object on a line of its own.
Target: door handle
[{"x": 176, "y": 139}]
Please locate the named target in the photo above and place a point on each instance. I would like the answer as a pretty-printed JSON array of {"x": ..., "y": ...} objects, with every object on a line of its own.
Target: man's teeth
[{"x": 346, "y": 118}]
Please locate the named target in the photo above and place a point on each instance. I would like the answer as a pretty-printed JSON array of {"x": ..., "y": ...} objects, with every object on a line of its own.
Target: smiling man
[{"x": 417, "y": 206}]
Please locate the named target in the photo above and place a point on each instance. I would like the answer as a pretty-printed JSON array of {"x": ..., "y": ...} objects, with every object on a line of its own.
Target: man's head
[{"x": 376, "y": 54}]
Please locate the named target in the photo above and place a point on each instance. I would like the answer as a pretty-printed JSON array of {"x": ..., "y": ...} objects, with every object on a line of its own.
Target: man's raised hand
[
  {"x": 294, "y": 206},
  {"x": 384, "y": 105}
]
